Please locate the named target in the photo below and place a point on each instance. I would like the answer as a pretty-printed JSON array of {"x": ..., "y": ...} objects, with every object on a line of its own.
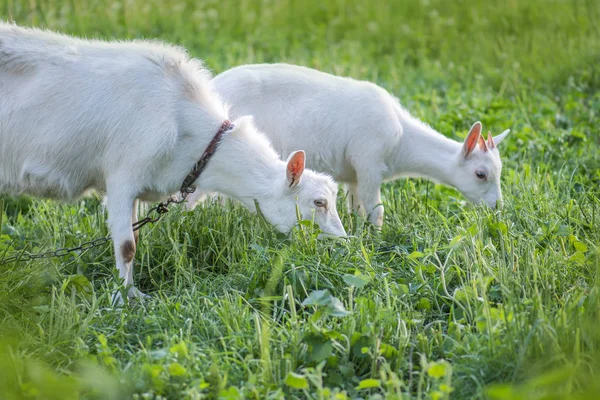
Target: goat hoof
[
  {"x": 134, "y": 293},
  {"x": 117, "y": 299}
]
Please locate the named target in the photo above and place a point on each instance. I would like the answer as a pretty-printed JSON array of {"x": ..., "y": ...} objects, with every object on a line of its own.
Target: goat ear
[
  {"x": 295, "y": 167},
  {"x": 490, "y": 141},
  {"x": 500, "y": 137},
  {"x": 472, "y": 139},
  {"x": 481, "y": 142}
]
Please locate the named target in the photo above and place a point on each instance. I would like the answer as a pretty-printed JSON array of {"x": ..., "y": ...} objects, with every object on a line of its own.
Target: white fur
[
  {"x": 355, "y": 131},
  {"x": 131, "y": 119}
]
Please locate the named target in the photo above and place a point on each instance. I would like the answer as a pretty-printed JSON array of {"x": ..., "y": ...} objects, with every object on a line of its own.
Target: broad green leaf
[
  {"x": 320, "y": 351},
  {"x": 42, "y": 309},
  {"x": 415, "y": 255},
  {"x": 230, "y": 394},
  {"x": 424, "y": 304},
  {"x": 501, "y": 392},
  {"x": 428, "y": 269},
  {"x": 437, "y": 370},
  {"x": 501, "y": 226},
  {"x": 180, "y": 349},
  {"x": 578, "y": 257},
  {"x": 337, "y": 309},
  {"x": 158, "y": 354},
  {"x": 404, "y": 288},
  {"x": 580, "y": 247},
  {"x": 322, "y": 298},
  {"x": 361, "y": 342},
  {"x": 357, "y": 281},
  {"x": 387, "y": 351},
  {"x": 154, "y": 370},
  {"x": 9, "y": 230},
  {"x": 80, "y": 283},
  {"x": 102, "y": 340},
  {"x": 317, "y": 298},
  {"x": 296, "y": 381},
  {"x": 177, "y": 369},
  {"x": 473, "y": 229},
  {"x": 368, "y": 384},
  {"x": 445, "y": 388},
  {"x": 204, "y": 385},
  {"x": 563, "y": 230}
]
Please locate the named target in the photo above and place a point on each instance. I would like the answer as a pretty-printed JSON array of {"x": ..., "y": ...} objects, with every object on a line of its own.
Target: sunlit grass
[{"x": 448, "y": 301}]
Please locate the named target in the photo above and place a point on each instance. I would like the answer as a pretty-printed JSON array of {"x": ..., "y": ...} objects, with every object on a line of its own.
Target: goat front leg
[
  {"x": 121, "y": 208},
  {"x": 352, "y": 197},
  {"x": 368, "y": 190},
  {"x": 133, "y": 291},
  {"x": 199, "y": 196},
  {"x": 194, "y": 198}
]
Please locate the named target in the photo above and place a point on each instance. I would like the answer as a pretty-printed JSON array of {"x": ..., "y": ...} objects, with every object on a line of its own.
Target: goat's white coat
[
  {"x": 355, "y": 131},
  {"x": 131, "y": 119}
]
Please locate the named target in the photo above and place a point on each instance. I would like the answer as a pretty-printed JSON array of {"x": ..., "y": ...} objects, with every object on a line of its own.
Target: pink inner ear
[
  {"x": 481, "y": 142},
  {"x": 296, "y": 164},
  {"x": 472, "y": 139},
  {"x": 295, "y": 167},
  {"x": 490, "y": 141}
]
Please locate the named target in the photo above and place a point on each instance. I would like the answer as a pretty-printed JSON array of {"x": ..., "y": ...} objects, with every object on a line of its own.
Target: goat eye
[
  {"x": 480, "y": 174},
  {"x": 321, "y": 203}
]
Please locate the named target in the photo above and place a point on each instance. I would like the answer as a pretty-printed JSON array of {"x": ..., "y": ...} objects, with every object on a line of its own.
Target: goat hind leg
[
  {"x": 194, "y": 198},
  {"x": 368, "y": 191},
  {"x": 352, "y": 198}
]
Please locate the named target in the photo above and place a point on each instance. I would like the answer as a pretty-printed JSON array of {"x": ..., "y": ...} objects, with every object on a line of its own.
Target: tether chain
[{"x": 160, "y": 209}]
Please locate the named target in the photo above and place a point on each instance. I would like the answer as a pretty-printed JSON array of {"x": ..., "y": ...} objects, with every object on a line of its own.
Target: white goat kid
[
  {"x": 358, "y": 133},
  {"x": 131, "y": 119}
]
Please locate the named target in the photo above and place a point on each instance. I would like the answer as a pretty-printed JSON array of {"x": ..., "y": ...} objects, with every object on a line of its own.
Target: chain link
[{"x": 160, "y": 209}]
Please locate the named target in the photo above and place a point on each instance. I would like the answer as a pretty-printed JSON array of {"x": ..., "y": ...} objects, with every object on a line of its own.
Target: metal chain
[
  {"x": 23, "y": 256},
  {"x": 160, "y": 209}
]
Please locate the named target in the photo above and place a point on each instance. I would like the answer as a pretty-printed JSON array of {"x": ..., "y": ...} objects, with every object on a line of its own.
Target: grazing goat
[
  {"x": 131, "y": 119},
  {"x": 358, "y": 133}
]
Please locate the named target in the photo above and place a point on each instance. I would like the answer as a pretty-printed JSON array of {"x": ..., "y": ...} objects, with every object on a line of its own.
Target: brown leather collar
[{"x": 187, "y": 186}]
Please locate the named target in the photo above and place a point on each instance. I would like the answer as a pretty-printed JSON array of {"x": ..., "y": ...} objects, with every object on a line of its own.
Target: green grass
[{"x": 448, "y": 301}]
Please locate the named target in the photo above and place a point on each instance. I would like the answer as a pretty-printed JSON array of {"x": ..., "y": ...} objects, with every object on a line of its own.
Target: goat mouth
[
  {"x": 331, "y": 236},
  {"x": 337, "y": 234}
]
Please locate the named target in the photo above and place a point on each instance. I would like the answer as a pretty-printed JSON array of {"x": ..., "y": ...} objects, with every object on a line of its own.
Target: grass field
[{"x": 448, "y": 301}]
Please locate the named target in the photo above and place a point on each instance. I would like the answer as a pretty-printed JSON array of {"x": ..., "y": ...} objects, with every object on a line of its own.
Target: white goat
[
  {"x": 132, "y": 119},
  {"x": 358, "y": 133}
]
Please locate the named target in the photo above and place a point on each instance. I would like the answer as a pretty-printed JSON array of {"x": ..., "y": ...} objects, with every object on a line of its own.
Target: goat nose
[{"x": 338, "y": 229}]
